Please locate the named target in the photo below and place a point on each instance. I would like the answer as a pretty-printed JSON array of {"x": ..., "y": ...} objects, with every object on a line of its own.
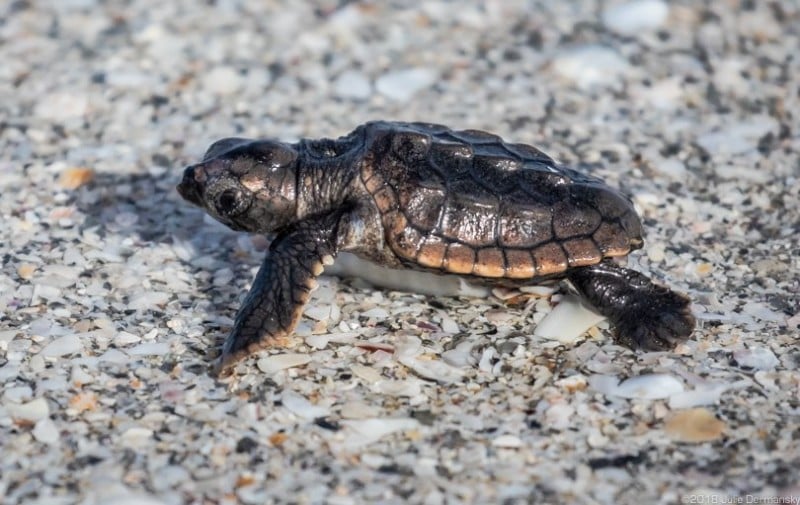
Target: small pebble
[
  {"x": 170, "y": 476},
  {"x": 401, "y": 85},
  {"x": 673, "y": 168},
  {"x": 559, "y": 416},
  {"x": 222, "y": 80},
  {"x": 126, "y": 219},
  {"x": 33, "y": 411},
  {"x": 366, "y": 431},
  {"x": 73, "y": 178},
  {"x": 18, "y": 394},
  {"x": 376, "y": 313},
  {"x": 460, "y": 356},
  {"x": 366, "y": 373},
  {"x": 129, "y": 79},
  {"x": 148, "y": 300},
  {"x": 49, "y": 293},
  {"x": 656, "y": 253},
  {"x": 358, "y": 410},
  {"x": 536, "y": 290},
  {"x": 318, "y": 312},
  {"x": 591, "y": 66},
  {"x": 572, "y": 383},
  {"x": 449, "y": 325},
  {"x": 351, "y": 84},
  {"x": 596, "y": 439},
  {"x": 79, "y": 377},
  {"x": 45, "y": 431},
  {"x": 504, "y": 293},
  {"x": 738, "y": 137},
  {"x": 704, "y": 268},
  {"x": 762, "y": 312},
  {"x": 61, "y": 106},
  {"x": 487, "y": 357},
  {"x": 567, "y": 321},
  {"x": 114, "y": 356},
  {"x": 694, "y": 425},
  {"x": 276, "y": 363},
  {"x": 136, "y": 437},
  {"x": 409, "y": 388},
  {"x": 301, "y": 407},
  {"x": 149, "y": 349},
  {"x": 124, "y": 339},
  {"x": 631, "y": 18},
  {"x": 507, "y": 442},
  {"x": 433, "y": 369},
  {"x": 649, "y": 387},
  {"x": 83, "y": 401},
  {"x": 407, "y": 346},
  {"x": 756, "y": 358},
  {"x": 63, "y": 346},
  {"x": 706, "y": 393},
  {"x": 499, "y": 317},
  {"x": 26, "y": 271},
  {"x": 121, "y": 495}
]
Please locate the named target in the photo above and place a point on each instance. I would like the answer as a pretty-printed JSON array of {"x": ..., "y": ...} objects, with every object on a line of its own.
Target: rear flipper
[{"x": 645, "y": 315}]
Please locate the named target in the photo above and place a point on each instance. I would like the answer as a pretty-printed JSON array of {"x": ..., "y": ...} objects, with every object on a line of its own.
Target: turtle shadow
[
  {"x": 144, "y": 207},
  {"x": 144, "y": 211}
]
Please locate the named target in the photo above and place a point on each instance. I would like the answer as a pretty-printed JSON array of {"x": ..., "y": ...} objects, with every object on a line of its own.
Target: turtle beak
[{"x": 189, "y": 187}]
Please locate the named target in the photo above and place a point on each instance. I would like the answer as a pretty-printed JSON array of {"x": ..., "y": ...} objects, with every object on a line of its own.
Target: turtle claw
[
  {"x": 222, "y": 367},
  {"x": 219, "y": 368},
  {"x": 654, "y": 332},
  {"x": 645, "y": 315}
]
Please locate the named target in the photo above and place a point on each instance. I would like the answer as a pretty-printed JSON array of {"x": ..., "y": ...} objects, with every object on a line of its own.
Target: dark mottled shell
[{"x": 466, "y": 202}]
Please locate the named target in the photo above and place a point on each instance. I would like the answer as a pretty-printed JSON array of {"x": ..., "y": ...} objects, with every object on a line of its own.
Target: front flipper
[
  {"x": 281, "y": 288},
  {"x": 645, "y": 315}
]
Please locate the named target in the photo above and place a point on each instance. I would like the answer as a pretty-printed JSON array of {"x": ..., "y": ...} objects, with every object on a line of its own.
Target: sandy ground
[{"x": 115, "y": 293}]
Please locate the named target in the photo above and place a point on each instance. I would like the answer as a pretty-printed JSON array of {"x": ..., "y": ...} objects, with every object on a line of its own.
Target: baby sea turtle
[{"x": 423, "y": 196}]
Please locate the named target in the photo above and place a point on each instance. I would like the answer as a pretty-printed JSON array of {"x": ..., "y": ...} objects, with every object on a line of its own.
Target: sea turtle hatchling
[{"x": 423, "y": 196}]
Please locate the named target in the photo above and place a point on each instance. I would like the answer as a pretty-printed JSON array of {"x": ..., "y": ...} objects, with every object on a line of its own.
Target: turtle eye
[{"x": 227, "y": 202}]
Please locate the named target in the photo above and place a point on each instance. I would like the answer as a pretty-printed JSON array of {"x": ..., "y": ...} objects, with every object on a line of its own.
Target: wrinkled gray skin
[
  {"x": 267, "y": 187},
  {"x": 317, "y": 197}
]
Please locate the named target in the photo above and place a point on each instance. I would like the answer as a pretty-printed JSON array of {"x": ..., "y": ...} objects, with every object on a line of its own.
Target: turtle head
[{"x": 248, "y": 185}]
